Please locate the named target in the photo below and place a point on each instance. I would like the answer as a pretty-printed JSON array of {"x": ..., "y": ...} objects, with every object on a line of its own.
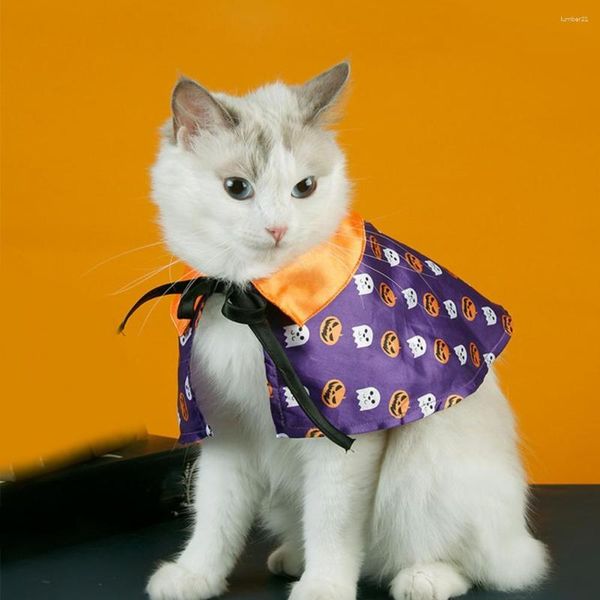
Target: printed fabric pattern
[{"x": 403, "y": 340}]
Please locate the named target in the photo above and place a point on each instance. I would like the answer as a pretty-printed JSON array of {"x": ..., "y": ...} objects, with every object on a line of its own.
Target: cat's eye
[
  {"x": 305, "y": 187},
  {"x": 238, "y": 188}
]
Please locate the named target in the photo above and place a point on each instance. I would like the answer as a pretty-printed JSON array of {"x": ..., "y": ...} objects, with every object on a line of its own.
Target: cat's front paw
[
  {"x": 435, "y": 581},
  {"x": 415, "y": 585},
  {"x": 285, "y": 561},
  {"x": 172, "y": 581},
  {"x": 322, "y": 589}
]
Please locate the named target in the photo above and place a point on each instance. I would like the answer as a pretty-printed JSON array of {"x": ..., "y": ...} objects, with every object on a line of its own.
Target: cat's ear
[
  {"x": 321, "y": 93},
  {"x": 195, "y": 109}
]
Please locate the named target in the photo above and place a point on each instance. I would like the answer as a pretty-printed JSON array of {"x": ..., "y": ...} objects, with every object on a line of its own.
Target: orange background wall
[{"x": 472, "y": 134}]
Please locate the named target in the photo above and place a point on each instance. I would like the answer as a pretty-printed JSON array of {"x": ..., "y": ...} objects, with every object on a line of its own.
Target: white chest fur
[{"x": 228, "y": 370}]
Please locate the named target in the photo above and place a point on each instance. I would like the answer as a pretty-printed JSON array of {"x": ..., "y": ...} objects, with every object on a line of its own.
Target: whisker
[
  {"x": 163, "y": 294},
  {"x": 380, "y": 273},
  {"x": 170, "y": 265},
  {"x": 107, "y": 260},
  {"x": 143, "y": 278},
  {"x": 395, "y": 283},
  {"x": 340, "y": 259},
  {"x": 400, "y": 266},
  {"x": 389, "y": 214}
]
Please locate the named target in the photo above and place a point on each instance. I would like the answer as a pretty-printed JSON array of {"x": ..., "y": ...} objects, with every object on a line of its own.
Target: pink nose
[{"x": 277, "y": 233}]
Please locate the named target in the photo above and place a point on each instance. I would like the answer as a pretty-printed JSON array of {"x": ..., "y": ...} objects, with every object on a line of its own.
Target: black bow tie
[{"x": 247, "y": 306}]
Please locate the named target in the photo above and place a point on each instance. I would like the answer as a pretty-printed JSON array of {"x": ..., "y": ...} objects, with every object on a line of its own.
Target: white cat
[{"x": 244, "y": 185}]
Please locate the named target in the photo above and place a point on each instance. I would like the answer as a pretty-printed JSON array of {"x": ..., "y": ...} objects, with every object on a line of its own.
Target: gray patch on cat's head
[
  {"x": 255, "y": 143},
  {"x": 272, "y": 114}
]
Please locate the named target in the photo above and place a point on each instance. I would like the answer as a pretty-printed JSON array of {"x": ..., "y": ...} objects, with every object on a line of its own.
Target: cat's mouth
[{"x": 270, "y": 247}]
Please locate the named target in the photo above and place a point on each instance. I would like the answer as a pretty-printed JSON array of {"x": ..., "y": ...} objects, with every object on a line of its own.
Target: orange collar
[{"x": 309, "y": 283}]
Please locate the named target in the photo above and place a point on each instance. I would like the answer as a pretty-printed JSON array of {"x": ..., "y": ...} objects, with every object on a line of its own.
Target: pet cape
[{"x": 360, "y": 333}]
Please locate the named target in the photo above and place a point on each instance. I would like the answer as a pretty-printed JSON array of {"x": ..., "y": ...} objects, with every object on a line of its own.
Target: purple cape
[{"x": 405, "y": 338}]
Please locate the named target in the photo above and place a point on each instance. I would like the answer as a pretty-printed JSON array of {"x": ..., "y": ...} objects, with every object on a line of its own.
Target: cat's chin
[
  {"x": 239, "y": 277},
  {"x": 253, "y": 265},
  {"x": 243, "y": 274},
  {"x": 268, "y": 262},
  {"x": 247, "y": 261}
]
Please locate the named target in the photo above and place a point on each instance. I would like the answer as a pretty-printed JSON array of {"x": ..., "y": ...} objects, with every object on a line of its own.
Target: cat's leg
[
  {"x": 338, "y": 492},
  {"x": 433, "y": 581},
  {"x": 283, "y": 518},
  {"x": 507, "y": 557},
  {"x": 225, "y": 504},
  {"x": 452, "y": 491},
  {"x": 287, "y": 559}
]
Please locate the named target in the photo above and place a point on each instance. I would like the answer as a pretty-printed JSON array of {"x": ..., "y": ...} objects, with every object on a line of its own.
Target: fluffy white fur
[{"x": 428, "y": 509}]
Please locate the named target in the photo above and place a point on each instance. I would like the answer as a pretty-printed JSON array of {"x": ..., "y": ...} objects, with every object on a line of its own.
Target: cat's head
[{"x": 247, "y": 184}]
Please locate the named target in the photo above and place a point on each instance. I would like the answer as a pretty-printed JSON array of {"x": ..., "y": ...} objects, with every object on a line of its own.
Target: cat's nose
[{"x": 277, "y": 233}]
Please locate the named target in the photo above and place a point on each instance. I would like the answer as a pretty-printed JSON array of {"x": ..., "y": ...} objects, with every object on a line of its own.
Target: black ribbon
[{"x": 245, "y": 306}]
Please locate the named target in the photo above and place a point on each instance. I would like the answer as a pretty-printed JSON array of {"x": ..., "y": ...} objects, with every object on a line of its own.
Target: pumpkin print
[
  {"x": 451, "y": 400},
  {"x": 314, "y": 432},
  {"x": 334, "y": 391},
  {"x": 183, "y": 409},
  {"x": 376, "y": 247},
  {"x": 330, "y": 330},
  {"x": 507, "y": 323},
  {"x": 431, "y": 304},
  {"x": 441, "y": 351},
  {"x": 399, "y": 404},
  {"x": 387, "y": 295},
  {"x": 468, "y": 308},
  {"x": 394, "y": 303},
  {"x": 390, "y": 343},
  {"x": 414, "y": 262},
  {"x": 474, "y": 354}
]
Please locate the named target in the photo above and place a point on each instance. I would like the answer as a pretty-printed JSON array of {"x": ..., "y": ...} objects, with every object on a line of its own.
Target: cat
[{"x": 244, "y": 185}]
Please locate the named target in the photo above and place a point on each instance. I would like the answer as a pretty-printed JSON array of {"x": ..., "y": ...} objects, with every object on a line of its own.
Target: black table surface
[{"x": 90, "y": 549}]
